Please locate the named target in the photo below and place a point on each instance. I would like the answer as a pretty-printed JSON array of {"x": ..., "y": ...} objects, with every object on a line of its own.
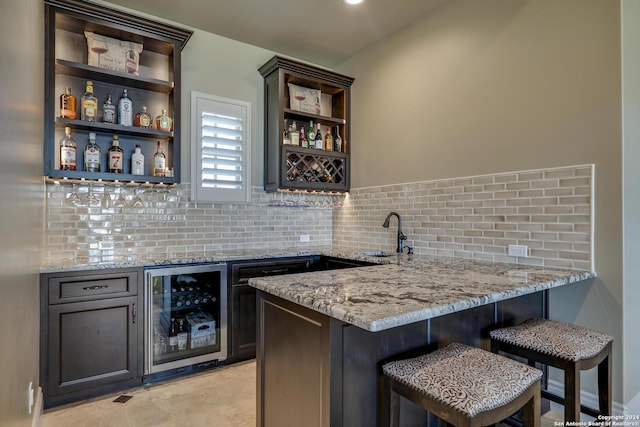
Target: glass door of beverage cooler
[{"x": 186, "y": 316}]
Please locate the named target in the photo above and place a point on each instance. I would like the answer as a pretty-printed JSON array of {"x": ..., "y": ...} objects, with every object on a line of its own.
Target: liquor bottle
[
  {"x": 337, "y": 141},
  {"x": 173, "y": 336},
  {"x": 164, "y": 122},
  {"x": 159, "y": 161},
  {"x": 143, "y": 119},
  {"x": 68, "y": 151},
  {"x": 303, "y": 138},
  {"x": 89, "y": 104},
  {"x": 319, "y": 139},
  {"x": 108, "y": 111},
  {"x": 67, "y": 104},
  {"x": 328, "y": 140},
  {"x": 137, "y": 162},
  {"x": 311, "y": 134},
  {"x": 125, "y": 110},
  {"x": 92, "y": 155},
  {"x": 294, "y": 134},
  {"x": 183, "y": 335},
  {"x": 286, "y": 139},
  {"x": 115, "y": 156}
]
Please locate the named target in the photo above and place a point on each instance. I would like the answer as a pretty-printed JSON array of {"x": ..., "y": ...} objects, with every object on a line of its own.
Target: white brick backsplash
[{"x": 548, "y": 210}]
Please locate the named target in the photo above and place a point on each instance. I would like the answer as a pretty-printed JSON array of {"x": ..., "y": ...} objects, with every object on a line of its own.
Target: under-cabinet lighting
[{"x": 353, "y": 1}]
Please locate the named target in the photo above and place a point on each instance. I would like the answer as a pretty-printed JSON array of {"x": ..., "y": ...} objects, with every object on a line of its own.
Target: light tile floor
[{"x": 224, "y": 397}]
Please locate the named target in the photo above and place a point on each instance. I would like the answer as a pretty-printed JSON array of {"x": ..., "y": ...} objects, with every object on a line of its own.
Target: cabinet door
[
  {"x": 243, "y": 322},
  {"x": 92, "y": 344}
]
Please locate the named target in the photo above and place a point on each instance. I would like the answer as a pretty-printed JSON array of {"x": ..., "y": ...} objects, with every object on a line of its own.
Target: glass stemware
[
  {"x": 106, "y": 199},
  {"x": 92, "y": 200},
  {"x": 121, "y": 202},
  {"x": 137, "y": 201},
  {"x": 74, "y": 199}
]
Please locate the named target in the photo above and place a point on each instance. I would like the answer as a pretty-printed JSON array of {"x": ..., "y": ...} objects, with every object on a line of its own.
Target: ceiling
[{"x": 324, "y": 32}]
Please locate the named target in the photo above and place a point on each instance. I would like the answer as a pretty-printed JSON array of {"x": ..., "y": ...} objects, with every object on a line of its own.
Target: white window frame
[{"x": 202, "y": 102}]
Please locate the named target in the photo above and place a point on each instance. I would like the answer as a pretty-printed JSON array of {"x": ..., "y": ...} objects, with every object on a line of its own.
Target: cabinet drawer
[
  {"x": 85, "y": 287},
  {"x": 242, "y": 272}
]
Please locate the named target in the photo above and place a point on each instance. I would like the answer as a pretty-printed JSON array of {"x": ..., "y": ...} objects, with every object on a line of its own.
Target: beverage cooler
[{"x": 185, "y": 316}]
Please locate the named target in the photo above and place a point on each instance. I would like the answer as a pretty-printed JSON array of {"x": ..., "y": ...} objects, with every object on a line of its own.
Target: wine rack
[
  {"x": 305, "y": 166},
  {"x": 294, "y": 167}
]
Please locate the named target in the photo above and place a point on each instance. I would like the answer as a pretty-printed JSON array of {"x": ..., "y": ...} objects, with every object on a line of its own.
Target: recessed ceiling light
[{"x": 353, "y": 1}]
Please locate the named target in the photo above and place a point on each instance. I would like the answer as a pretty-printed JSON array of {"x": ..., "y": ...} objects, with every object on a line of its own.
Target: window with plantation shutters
[{"x": 220, "y": 149}]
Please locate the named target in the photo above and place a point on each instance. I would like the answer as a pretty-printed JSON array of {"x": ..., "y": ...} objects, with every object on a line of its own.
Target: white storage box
[{"x": 112, "y": 54}]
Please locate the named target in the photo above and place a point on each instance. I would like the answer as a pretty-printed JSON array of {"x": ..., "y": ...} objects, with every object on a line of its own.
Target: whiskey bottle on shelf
[
  {"x": 108, "y": 111},
  {"x": 125, "y": 110},
  {"x": 89, "y": 104},
  {"x": 319, "y": 141},
  {"x": 294, "y": 134},
  {"x": 337, "y": 141},
  {"x": 92, "y": 154},
  {"x": 68, "y": 151},
  {"x": 115, "y": 156},
  {"x": 68, "y": 104},
  {"x": 159, "y": 161},
  {"x": 137, "y": 162},
  {"x": 164, "y": 122},
  {"x": 143, "y": 119},
  {"x": 328, "y": 140}
]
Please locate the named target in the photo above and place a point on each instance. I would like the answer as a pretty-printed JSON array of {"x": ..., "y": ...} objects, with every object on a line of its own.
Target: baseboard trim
[
  {"x": 586, "y": 398},
  {"x": 38, "y": 407}
]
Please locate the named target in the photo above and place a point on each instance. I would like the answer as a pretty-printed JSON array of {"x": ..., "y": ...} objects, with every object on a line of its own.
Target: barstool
[
  {"x": 564, "y": 346},
  {"x": 465, "y": 386}
]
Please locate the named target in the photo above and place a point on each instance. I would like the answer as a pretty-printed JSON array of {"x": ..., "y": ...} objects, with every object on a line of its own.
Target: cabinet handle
[
  {"x": 95, "y": 288},
  {"x": 134, "y": 312},
  {"x": 282, "y": 270}
]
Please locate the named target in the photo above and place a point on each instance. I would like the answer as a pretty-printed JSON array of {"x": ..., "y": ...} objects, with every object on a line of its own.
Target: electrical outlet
[
  {"x": 305, "y": 238},
  {"x": 518, "y": 251}
]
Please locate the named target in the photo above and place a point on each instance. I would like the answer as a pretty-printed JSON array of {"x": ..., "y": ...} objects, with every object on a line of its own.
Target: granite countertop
[
  {"x": 183, "y": 259},
  {"x": 407, "y": 289}
]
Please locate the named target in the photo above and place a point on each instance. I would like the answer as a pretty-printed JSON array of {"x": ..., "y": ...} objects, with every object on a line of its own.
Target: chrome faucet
[{"x": 401, "y": 235}]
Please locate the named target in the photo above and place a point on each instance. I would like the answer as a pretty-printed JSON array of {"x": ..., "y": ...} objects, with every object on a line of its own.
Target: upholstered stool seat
[
  {"x": 466, "y": 386},
  {"x": 564, "y": 346}
]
